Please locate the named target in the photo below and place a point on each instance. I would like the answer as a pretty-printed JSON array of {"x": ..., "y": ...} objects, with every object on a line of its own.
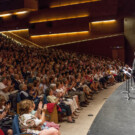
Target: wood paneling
[
  {"x": 16, "y": 5},
  {"x": 59, "y": 3},
  {"x": 95, "y": 30},
  {"x": 60, "y": 38},
  {"x": 102, "y": 47},
  {"x": 110, "y": 27},
  {"x": 63, "y": 26},
  {"x": 118, "y": 53},
  {"x": 129, "y": 31},
  {"x": 95, "y": 9}
]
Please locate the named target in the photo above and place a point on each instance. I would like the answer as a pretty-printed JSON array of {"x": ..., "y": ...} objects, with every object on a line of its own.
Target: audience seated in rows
[{"x": 30, "y": 75}]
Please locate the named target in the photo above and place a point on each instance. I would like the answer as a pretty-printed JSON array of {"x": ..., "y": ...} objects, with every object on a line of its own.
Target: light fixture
[
  {"x": 104, "y": 21},
  {"x": 14, "y": 30},
  {"x": 58, "y": 18},
  {"x": 21, "y": 12},
  {"x": 69, "y": 3},
  {"x": 58, "y": 34},
  {"x": 4, "y": 15}
]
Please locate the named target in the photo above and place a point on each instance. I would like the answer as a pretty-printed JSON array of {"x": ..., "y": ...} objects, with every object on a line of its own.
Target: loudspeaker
[{"x": 49, "y": 24}]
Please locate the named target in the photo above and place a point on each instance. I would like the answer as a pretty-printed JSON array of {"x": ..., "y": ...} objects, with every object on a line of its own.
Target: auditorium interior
[{"x": 67, "y": 67}]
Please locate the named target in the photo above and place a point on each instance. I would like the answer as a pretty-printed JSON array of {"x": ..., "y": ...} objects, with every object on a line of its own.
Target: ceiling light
[{"x": 4, "y": 15}]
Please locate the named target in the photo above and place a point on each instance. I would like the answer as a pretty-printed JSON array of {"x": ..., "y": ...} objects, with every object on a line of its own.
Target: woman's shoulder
[{"x": 29, "y": 115}]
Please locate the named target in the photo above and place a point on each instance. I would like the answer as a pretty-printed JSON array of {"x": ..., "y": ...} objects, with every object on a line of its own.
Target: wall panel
[
  {"x": 102, "y": 47},
  {"x": 63, "y": 26}
]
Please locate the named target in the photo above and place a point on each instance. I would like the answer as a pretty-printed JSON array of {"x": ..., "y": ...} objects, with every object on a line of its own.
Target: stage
[{"x": 117, "y": 116}]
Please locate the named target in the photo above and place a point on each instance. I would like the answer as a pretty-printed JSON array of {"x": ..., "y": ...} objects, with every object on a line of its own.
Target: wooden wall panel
[
  {"x": 94, "y": 9},
  {"x": 112, "y": 27},
  {"x": 63, "y": 26},
  {"x": 94, "y": 32},
  {"x": 13, "y": 5},
  {"x": 129, "y": 31},
  {"x": 102, "y": 47},
  {"x": 59, "y": 3},
  {"x": 60, "y": 38}
]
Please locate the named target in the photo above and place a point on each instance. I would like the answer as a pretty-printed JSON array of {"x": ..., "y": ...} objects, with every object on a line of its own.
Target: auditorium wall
[
  {"x": 129, "y": 31},
  {"x": 80, "y": 31},
  {"x": 102, "y": 46}
]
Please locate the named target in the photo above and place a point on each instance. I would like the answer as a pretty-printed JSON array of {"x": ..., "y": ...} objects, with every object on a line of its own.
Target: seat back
[
  {"x": 18, "y": 97},
  {"x": 1, "y": 132},
  {"x": 44, "y": 100},
  {"x": 15, "y": 125},
  {"x": 53, "y": 116}
]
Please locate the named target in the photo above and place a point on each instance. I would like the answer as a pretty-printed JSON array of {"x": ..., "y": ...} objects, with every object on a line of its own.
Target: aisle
[{"x": 84, "y": 121}]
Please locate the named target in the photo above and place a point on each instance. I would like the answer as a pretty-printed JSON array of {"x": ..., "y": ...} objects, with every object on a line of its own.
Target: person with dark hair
[{"x": 53, "y": 99}]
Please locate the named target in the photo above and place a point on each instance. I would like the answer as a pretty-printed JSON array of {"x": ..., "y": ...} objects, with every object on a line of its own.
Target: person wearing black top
[{"x": 23, "y": 91}]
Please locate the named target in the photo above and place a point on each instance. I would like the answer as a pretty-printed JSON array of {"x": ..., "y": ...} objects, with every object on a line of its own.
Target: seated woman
[
  {"x": 5, "y": 119},
  {"x": 30, "y": 123},
  {"x": 53, "y": 99},
  {"x": 67, "y": 101}
]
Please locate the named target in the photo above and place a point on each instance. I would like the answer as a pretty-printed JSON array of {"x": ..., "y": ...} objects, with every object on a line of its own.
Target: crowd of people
[{"x": 66, "y": 79}]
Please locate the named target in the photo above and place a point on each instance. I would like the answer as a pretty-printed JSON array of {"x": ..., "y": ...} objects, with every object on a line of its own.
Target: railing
[{"x": 130, "y": 86}]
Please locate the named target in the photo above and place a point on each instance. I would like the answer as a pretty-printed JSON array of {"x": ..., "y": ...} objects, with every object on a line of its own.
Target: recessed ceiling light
[{"x": 21, "y": 12}]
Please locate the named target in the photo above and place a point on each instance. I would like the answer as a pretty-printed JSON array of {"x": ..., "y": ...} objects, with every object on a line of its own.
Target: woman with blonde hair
[{"x": 29, "y": 123}]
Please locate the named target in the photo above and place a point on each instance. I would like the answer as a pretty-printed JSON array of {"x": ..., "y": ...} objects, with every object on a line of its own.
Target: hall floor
[{"x": 83, "y": 123}]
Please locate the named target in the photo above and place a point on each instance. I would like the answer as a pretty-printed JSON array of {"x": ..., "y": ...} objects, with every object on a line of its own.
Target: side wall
[{"x": 102, "y": 47}]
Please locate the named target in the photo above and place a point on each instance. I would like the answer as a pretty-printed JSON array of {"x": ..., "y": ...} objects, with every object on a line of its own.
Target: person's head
[
  {"x": 36, "y": 83},
  {"x": 26, "y": 106},
  {"x": 49, "y": 92},
  {"x": 53, "y": 86},
  {"x": 23, "y": 87},
  {"x": 58, "y": 85},
  {"x": 16, "y": 76},
  {"x": 4, "y": 80},
  {"x": 2, "y": 100},
  {"x": 30, "y": 86},
  {"x": 31, "y": 89},
  {"x": 43, "y": 81}
]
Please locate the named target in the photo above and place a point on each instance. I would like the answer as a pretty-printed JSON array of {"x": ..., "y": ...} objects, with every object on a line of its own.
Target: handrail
[{"x": 27, "y": 41}]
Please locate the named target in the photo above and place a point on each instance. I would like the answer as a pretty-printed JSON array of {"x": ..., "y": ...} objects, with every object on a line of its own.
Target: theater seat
[
  {"x": 1, "y": 132},
  {"x": 15, "y": 127},
  {"x": 53, "y": 115}
]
